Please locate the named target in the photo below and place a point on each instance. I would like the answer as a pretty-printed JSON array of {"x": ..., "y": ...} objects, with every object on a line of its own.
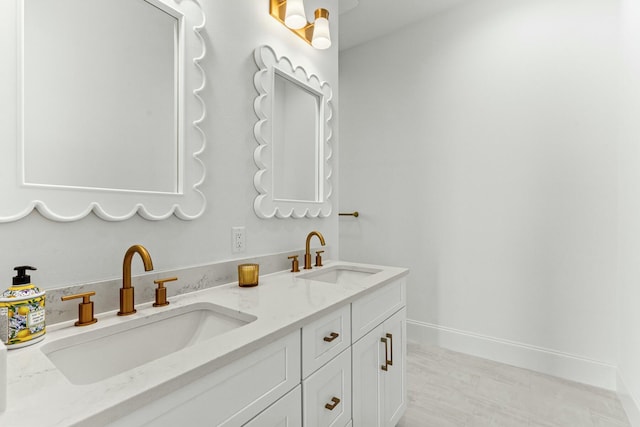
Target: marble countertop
[{"x": 39, "y": 394}]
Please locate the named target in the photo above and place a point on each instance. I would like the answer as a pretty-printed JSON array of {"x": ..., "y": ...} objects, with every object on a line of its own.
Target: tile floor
[{"x": 446, "y": 388}]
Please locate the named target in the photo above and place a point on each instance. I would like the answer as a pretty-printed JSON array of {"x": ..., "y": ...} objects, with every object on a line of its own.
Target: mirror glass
[
  {"x": 294, "y": 134},
  {"x": 100, "y": 94},
  {"x": 102, "y": 109},
  {"x": 295, "y": 128}
]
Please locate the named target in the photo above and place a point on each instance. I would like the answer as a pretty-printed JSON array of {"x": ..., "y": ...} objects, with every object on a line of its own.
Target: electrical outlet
[{"x": 238, "y": 243}]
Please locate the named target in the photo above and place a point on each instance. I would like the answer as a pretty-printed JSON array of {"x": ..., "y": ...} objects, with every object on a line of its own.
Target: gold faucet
[
  {"x": 307, "y": 254},
  {"x": 127, "y": 305}
]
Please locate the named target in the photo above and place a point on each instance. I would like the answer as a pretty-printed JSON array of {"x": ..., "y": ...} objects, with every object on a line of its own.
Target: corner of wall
[{"x": 629, "y": 402}]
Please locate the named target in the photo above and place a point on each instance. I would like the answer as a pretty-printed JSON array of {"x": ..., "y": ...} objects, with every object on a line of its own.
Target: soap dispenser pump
[{"x": 22, "y": 311}]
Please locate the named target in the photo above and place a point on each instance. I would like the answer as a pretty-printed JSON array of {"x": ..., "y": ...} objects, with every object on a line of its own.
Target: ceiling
[{"x": 364, "y": 20}]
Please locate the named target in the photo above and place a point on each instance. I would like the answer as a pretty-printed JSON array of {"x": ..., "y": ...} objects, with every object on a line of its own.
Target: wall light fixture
[{"x": 291, "y": 14}]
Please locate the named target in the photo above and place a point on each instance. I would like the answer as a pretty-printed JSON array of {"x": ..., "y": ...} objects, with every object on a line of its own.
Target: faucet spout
[
  {"x": 127, "y": 304},
  {"x": 307, "y": 254}
]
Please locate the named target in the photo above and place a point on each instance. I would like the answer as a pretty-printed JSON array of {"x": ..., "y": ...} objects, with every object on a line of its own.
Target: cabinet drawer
[
  {"x": 325, "y": 338},
  {"x": 327, "y": 394},
  {"x": 371, "y": 310}
]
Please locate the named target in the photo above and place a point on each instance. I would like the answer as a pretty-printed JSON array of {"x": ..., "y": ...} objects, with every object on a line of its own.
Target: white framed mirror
[
  {"x": 101, "y": 109},
  {"x": 293, "y": 134}
]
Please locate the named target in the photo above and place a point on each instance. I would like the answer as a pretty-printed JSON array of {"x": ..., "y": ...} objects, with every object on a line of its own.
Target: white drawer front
[
  {"x": 325, "y": 338},
  {"x": 371, "y": 310},
  {"x": 330, "y": 385}
]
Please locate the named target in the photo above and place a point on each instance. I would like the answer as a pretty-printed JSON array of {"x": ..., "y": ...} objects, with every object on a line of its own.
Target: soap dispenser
[{"x": 22, "y": 311}]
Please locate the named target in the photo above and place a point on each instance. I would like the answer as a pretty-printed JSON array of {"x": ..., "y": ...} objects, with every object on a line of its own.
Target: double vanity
[{"x": 322, "y": 347}]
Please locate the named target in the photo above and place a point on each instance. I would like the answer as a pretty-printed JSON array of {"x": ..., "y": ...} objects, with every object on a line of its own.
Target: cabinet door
[
  {"x": 368, "y": 359},
  {"x": 379, "y": 374},
  {"x": 286, "y": 412},
  {"x": 394, "y": 401}
]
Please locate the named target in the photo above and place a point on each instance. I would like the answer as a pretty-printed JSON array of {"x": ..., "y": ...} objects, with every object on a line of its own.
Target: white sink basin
[
  {"x": 340, "y": 274},
  {"x": 104, "y": 352}
]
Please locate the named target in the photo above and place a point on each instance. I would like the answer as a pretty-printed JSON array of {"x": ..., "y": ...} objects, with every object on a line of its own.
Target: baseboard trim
[
  {"x": 559, "y": 364},
  {"x": 629, "y": 403}
]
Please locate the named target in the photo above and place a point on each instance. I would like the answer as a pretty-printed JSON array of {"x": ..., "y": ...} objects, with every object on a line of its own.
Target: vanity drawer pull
[
  {"x": 330, "y": 406},
  {"x": 332, "y": 336},
  {"x": 385, "y": 367}
]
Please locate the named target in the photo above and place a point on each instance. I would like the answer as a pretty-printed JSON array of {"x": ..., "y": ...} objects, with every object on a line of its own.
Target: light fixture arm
[{"x": 278, "y": 8}]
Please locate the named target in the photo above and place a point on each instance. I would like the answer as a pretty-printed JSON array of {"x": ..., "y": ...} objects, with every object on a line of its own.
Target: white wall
[
  {"x": 491, "y": 129},
  {"x": 92, "y": 249},
  {"x": 629, "y": 364}
]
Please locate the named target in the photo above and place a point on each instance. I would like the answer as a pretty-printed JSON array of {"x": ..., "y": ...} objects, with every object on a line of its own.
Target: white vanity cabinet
[
  {"x": 379, "y": 357},
  {"x": 346, "y": 368}
]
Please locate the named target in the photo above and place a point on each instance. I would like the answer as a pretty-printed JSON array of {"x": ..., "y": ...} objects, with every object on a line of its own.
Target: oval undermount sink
[
  {"x": 340, "y": 274},
  {"x": 94, "y": 355}
]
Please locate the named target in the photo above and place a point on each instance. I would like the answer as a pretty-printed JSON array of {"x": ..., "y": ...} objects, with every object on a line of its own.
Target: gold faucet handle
[
  {"x": 161, "y": 291},
  {"x": 85, "y": 308},
  {"x": 319, "y": 258},
  {"x": 295, "y": 265}
]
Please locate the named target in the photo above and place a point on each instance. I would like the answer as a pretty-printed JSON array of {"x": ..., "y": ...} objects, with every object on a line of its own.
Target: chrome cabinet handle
[
  {"x": 390, "y": 361},
  {"x": 332, "y": 336},
  {"x": 385, "y": 367},
  {"x": 330, "y": 406}
]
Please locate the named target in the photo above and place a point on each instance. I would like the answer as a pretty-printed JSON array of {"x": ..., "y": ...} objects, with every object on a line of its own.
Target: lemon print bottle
[{"x": 22, "y": 311}]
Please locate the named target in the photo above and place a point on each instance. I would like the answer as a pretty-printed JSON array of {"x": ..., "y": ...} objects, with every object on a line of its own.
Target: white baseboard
[
  {"x": 629, "y": 403},
  {"x": 559, "y": 364}
]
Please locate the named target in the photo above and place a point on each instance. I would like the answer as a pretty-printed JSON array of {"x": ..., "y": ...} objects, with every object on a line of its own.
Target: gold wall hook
[{"x": 355, "y": 214}]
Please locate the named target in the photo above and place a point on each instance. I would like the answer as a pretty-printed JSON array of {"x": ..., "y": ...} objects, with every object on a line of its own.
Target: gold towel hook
[{"x": 356, "y": 214}]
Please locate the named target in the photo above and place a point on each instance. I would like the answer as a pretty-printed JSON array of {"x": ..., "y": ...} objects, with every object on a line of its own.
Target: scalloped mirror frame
[
  {"x": 74, "y": 203},
  {"x": 265, "y": 205}
]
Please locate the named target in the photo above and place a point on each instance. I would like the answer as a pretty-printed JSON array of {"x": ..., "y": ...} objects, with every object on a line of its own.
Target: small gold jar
[{"x": 248, "y": 275}]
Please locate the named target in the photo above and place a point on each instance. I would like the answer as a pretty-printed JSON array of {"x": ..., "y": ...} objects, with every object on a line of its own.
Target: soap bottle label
[
  {"x": 4, "y": 324},
  {"x": 22, "y": 321}
]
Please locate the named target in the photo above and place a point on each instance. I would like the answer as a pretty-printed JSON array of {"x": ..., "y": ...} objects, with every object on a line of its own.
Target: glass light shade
[
  {"x": 321, "y": 36},
  {"x": 294, "y": 16}
]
